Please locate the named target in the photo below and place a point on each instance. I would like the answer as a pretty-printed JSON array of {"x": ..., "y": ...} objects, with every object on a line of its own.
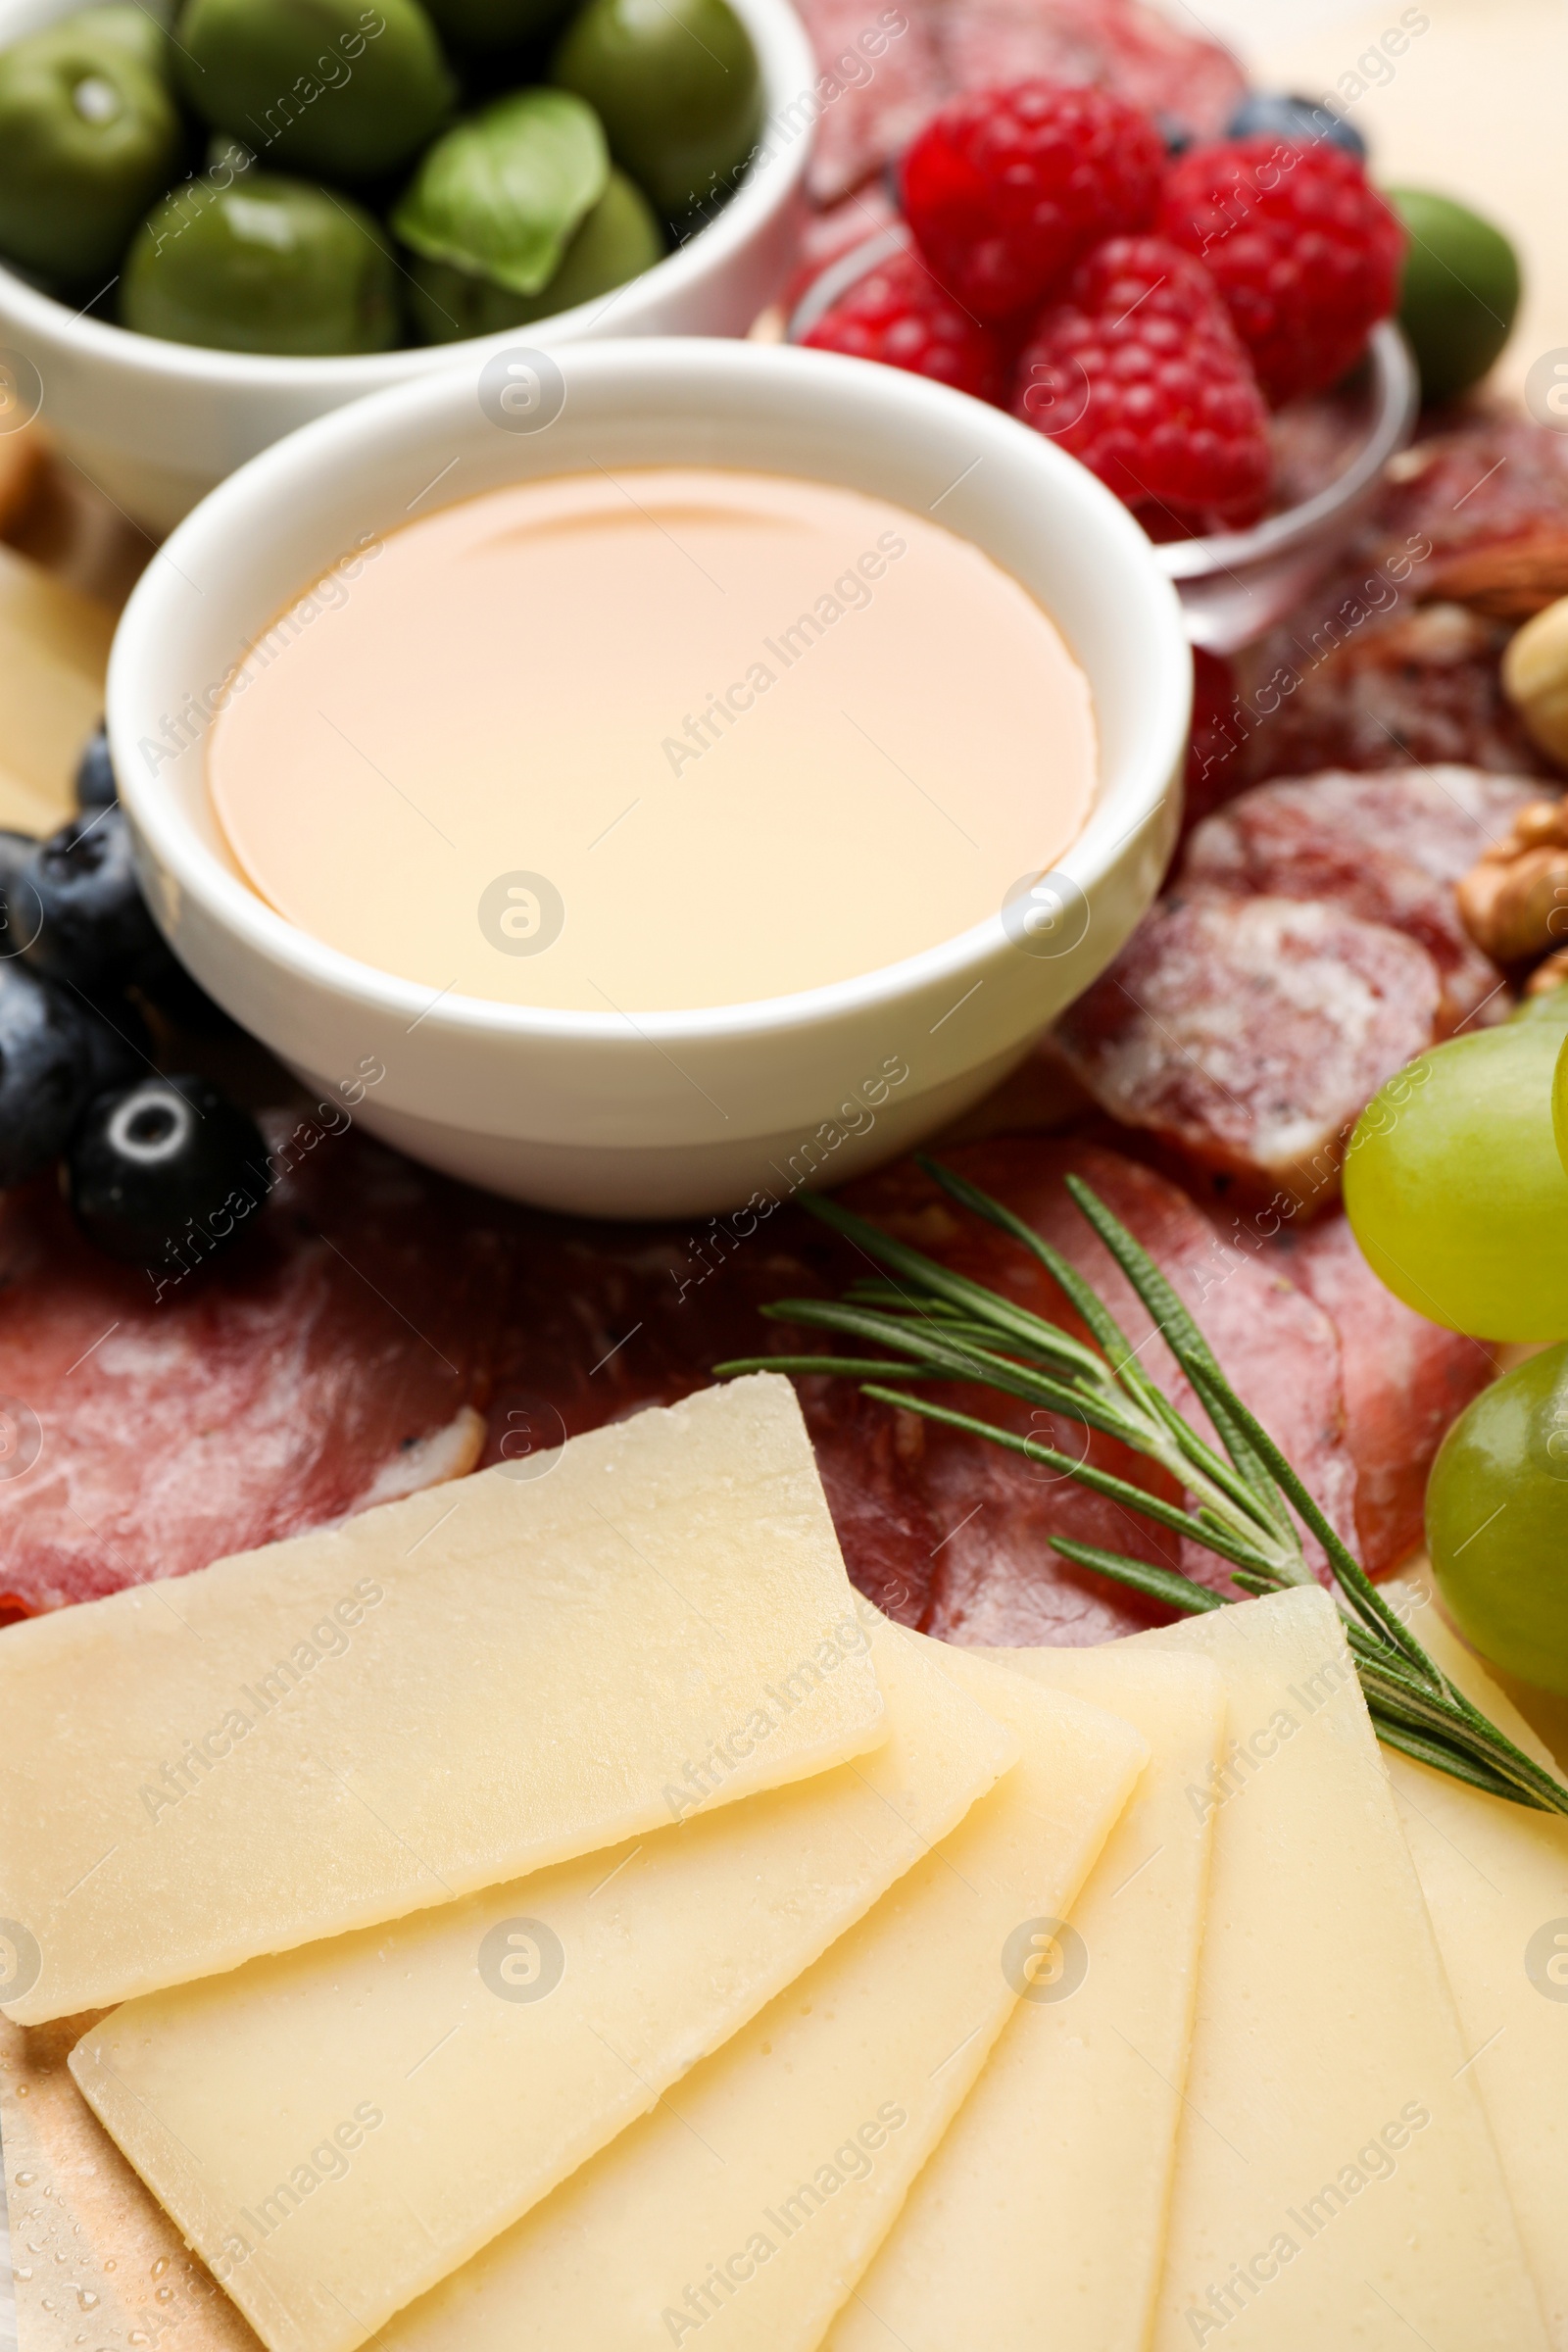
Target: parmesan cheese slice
[
  {"x": 1041, "y": 2218},
  {"x": 337, "y": 2128},
  {"x": 1336, "y": 2183},
  {"x": 1496, "y": 1878},
  {"x": 432, "y": 1698},
  {"x": 740, "y": 2215}
]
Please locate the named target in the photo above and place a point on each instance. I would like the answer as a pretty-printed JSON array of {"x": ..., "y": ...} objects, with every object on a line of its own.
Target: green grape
[
  {"x": 1560, "y": 1088},
  {"x": 1455, "y": 1187},
  {"x": 1498, "y": 1522}
]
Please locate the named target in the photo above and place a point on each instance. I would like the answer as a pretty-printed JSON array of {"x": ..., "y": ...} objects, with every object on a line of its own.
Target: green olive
[
  {"x": 503, "y": 194},
  {"x": 267, "y": 265},
  {"x": 88, "y": 135},
  {"x": 323, "y": 86},
  {"x": 1460, "y": 293},
  {"x": 483, "y": 27},
  {"x": 620, "y": 238},
  {"x": 675, "y": 84},
  {"x": 127, "y": 27}
]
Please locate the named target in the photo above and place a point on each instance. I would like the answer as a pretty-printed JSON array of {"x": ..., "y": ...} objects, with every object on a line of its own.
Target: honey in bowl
[{"x": 657, "y": 740}]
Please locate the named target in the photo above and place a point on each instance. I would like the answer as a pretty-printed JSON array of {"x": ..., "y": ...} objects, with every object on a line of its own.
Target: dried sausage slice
[
  {"x": 333, "y": 1359},
  {"x": 1406, "y": 1381},
  {"x": 1250, "y": 1034},
  {"x": 1388, "y": 846},
  {"x": 1133, "y": 49},
  {"x": 880, "y": 78},
  {"x": 993, "y": 1576}
]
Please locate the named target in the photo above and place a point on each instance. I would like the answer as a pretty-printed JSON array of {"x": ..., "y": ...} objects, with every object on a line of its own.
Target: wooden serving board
[{"x": 1472, "y": 106}]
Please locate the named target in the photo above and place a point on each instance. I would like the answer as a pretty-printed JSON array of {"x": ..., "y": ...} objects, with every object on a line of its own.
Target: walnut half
[
  {"x": 1514, "y": 903},
  {"x": 1535, "y": 678}
]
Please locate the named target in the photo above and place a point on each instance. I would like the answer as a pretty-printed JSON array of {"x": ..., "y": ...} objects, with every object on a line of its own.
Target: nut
[
  {"x": 1514, "y": 903},
  {"x": 1553, "y": 973},
  {"x": 1508, "y": 579},
  {"x": 1535, "y": 678}
]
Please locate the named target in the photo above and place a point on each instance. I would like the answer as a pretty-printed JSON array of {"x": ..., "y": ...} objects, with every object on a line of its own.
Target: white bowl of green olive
[{"x": 215, "y": 229}]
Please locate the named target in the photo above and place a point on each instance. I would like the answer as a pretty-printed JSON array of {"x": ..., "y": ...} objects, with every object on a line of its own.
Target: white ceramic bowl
[
  {"x": 157, "y": 424},
  {"x": 674, "y": 1113}
]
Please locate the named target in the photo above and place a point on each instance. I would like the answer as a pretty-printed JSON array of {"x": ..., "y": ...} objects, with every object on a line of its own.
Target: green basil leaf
[{"x": 501, "y": 193}]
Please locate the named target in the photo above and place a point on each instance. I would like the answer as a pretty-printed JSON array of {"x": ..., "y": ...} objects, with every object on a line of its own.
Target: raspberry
[
  {"x": 1304, "y": 249},
  {"x": 899, "y": 315},
  {"x": 1139, "y": 372},
  {"x": 1007, "y": 189}
]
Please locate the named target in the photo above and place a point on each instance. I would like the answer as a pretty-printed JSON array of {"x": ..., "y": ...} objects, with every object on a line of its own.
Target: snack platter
[{"x": 807, "y": 1595}]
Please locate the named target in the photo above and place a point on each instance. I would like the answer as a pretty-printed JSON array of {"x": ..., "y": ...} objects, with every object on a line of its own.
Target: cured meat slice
[
  {"x": 827, "y": 236},
  {"x": 1131, "y": 48},
  {"x": 338, "y": 1357},
  {"x": 881, "y": 76},
  {"x": 1406, "y": 1382},
  {"x": 1489, "y": 502},
  {"x": 1388, "y": 846},
  {"x": 993, "y": 1576},
  {"x": 1337, "y": 686},
  {"x": 1250, "y": 1034},
  {"x": 884, "y": 70},
  {"x": 333, "y": 1359}
]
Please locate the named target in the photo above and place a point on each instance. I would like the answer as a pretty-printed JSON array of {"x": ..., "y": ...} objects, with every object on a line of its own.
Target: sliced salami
[
  {"x": 880, "y": 76},
  {"x": 1337, "y": 686},
  {"x": 884, "y": 71},
  {"x": 1406, "y": 1381},
  {"x": 1388, "y": 846},
  {"x": 1486, "y": 506},
  {"x": 827, "y": 236},
  {"x": 1131, "y": 48},
  {"x": 333, "y": 1359},
  {"x": 993, "y": 1576},
  {"x": 1250, "y": 1034}
]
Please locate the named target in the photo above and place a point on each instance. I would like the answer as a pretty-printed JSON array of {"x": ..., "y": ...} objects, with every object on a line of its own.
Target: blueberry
[
  {"x": 165, "y": 1173},
  {"x": 96, "y": 930},
  {"x": 45, "y": 1071},
  {"x": 21, "y": 917},
  {"x": 95, "y": 775},
  {"x": 1289, "y": 117},
  {"x": 119, "y": 1043}
]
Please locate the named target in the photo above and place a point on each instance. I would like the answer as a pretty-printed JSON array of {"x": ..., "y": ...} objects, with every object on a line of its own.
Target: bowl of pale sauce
[{"x": 692, "y": 770}]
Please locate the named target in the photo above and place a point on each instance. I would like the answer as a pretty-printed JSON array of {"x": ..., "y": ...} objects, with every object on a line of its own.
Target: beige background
[{"x": 1477, "y": 108}]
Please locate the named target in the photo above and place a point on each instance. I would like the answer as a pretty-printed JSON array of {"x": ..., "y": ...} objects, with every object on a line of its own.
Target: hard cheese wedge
[
  {"x": 742, "y": 2213},
  {"x": 1041, "y": 2218},
  {"x": 1336, "y": 2183},
  {"x": 1496, "y": 1878},
  {"x": 337, "y": 2128},
  {"x": 432, "y": 1698}
]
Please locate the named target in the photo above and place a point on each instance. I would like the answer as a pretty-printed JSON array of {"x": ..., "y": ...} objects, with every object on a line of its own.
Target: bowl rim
[
  {"x": 1396, "y": 398},
  {"x": 769, "y": 181},
  {"x": 337, "y": 444}
]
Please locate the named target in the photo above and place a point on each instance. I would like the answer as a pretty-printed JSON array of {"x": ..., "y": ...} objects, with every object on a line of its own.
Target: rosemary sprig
[{"x": 1246, "y": 1502}]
